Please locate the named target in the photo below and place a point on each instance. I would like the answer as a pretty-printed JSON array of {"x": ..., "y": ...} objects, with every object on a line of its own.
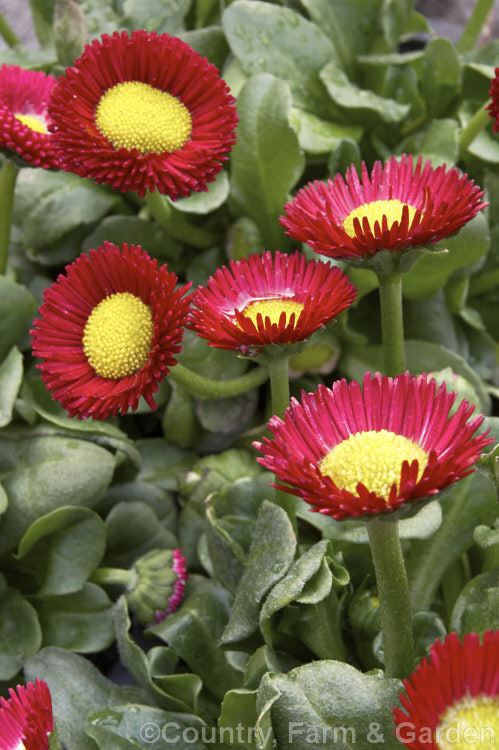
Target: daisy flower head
[
  {"x": 26, "y": 718},
  {"x": 395, "y": 207},
  {"x": 108, "y": 331},
  {"x": 452, "y": 699},
  {"x": 143, "y": 112},
  {"x": 350, "y": 453},
  {"x": 268, "y": 299},
  {"x": 24, "y": 120},
  {"x": 493, "y": 108},
  {"x": 159, "y": 583}
]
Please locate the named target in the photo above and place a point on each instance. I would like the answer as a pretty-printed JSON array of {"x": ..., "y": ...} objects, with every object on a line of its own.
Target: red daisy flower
[
  {"x": 268, "y": 299},
  {"x": 108, "y": 331},
  {"x": 143, "y": 112},
  {"x": 24, "y": 97},
  {"x": 493, "y": 108},
  {"x": 26, "y": 718},
  {"x": 453, "y": 698},
  {"x": 353, "y": 454},
  {"x": 394, "y": 208}
]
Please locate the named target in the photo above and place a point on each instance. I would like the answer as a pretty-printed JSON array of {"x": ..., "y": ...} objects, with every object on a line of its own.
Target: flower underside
[
  {"x": 373, "y": 458},
  {"x": 374, "y": 212},
  {"x": 135, "y": 115},
  {"x": 273, "y": 309},
  {"x": 475, "y": 718},
  {"x": 117, "y": 335},
  {"x": 32, "y": 122}
]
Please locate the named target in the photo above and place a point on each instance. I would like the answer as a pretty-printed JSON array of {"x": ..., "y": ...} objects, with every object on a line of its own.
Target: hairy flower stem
[
  {"x": 393, "y": 593},
  {"x": 392, "y": 325},
  {"x": 113, "y": 576},
  {"x": 478, "y": 122},
  {"x": 384, "y": 540},
  {"x": 278, "y": 368},
  {"x": 8, "y": 176},
  {"x": 203, "y": 387}
]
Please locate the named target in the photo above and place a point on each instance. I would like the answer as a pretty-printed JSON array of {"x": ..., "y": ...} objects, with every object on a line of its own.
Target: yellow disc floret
[
  {"x": 33, "y": 123},
  {"x": 273, "y": 309},
  {"x": 375, "y": 211},
  {"x": 117, "y": 336},
  {"x": 136, "y": 115},
  {"x": 470, "y": 723},
  {"x": 374, "y": 458}
]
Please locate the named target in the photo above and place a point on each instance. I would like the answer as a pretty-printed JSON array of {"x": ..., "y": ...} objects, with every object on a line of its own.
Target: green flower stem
[
  {"x": 393, "y": 593},
  {"x": 7, "y": 32},
  {"x": 8, "y": 176},
  {"x": 278, "y": 368},
  {"x": 473, "y": 28},
  {"x": 478, "y": 122},
  {"x": 175, "y": 225},
  {"x": 113, "y": 576},
  {"x": 205, "y": 388},
  {"x": 392, "y": 325}
]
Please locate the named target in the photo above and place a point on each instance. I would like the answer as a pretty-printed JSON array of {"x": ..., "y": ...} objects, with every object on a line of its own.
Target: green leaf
[
  {"x": 441, "y": 76},
  {"x": 364, "y": 102},
  {"x": 174, "y": 692},
  {"x": 294, "y": 584},
  {"x": 156, "y": 15},
  {"x": 204, "y": 202},
  {"x": 20, "y": 633},
  {"x": 135, "y": 231},
  {"x": 441, "y": 143},
  {"x": 209, "y": 41},
  {"x": 133, "y": 528},
  {"x": 271, "y": 554},
  {"x": 352, "y": 26},
  {"x": 77, "y": 689},
  {"x": 42, "y": 200},
  {"x": 470, "y": 502},
  {"x": 179, "y": 422},
  {"x": 266, "y": 161},
  {"x": 430, "y": 272},
  {"x": 81, "y": 621},
  {"x": 40, "y": 474},
  {"x": 488, "y": 542},
  {"x": 11, "y": 375},
  {"x": 477, "y": 607},
  {"x": 267, "y": 38},
  {"x": 326, "y": 704},
  {"x": 318, "y": 136},
  {"x": 63, "y": 548},
  {"x": 193, "y": 632},
  {"x": 17, "y": 306},
  {"x": 238, "y": 718},
  {"x": 124, "y": 727}
]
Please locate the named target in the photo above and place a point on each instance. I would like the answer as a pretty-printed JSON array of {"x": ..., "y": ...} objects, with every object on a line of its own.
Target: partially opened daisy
[
  {"x": 349, "y": 453},
  {"x": 493, "y": 108},
  {"x": 26, "y": 719},
  {"x": 268, "y": 299},
  {"x": 109, "y": 330},
  {"x": 452, "y": 699},
  {"x": 395, "y": 207},
  {"x": 24, "y": 97},
  {"x": 143, "y": 112}
]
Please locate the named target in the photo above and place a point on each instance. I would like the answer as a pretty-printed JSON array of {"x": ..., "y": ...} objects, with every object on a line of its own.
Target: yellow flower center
[
  {"x": 32, "y": 122},
  {"x": 375, "y": 211},
  {"x": 136, "y": 115},
  {"x": 472, "y": 722},
  {"x": 373, "y": 458},
  {"x": 117, "y": 336},
  {"x": 273, "y": 309}
]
